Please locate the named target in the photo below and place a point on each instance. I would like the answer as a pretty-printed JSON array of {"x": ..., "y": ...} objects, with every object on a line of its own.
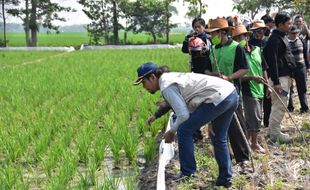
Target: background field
[
  {"x": 67, "y": 121},
  {"x": 76, "y": 39}
]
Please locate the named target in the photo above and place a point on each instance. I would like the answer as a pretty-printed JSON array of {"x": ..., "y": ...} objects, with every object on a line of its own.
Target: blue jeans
[{"x": 221, "y": 116}]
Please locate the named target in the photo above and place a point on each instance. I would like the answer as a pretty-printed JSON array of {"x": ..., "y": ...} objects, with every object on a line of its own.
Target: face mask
[
  {"x": 216, "y": 40},
  {"x": 242, "y": 43}
]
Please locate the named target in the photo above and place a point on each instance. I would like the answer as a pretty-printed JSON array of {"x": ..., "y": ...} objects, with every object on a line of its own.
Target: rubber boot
[{"x": 275, "y": 135}]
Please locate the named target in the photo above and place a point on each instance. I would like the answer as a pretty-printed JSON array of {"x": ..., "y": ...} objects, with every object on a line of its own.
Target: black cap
[{"x": 294, "y": 29}]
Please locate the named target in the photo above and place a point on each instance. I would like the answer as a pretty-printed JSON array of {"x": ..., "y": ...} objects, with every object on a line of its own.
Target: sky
[{"x": 215, "y": 8}]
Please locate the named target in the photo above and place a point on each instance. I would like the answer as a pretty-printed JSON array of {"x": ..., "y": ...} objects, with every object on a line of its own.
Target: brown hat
[
  {"x": 240, "y": 29},
  {"x": 258, "y": 25},
  {"x": 218, "y": 24}
]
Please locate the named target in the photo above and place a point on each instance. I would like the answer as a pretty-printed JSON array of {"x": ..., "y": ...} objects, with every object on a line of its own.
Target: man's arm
[
  {"x": 271, "y": 56},
  {"x": 240, "y": 64},
  {"x": 163, "y": 108},
  {"x": 173, "y": 96}
]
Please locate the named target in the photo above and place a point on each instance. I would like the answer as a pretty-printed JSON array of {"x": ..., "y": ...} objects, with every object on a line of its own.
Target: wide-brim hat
[
  {"x": 239, "y": 30},
  {"x": 218, "y": 24},
  {"x": 145, "y": 70},
  {"x": 258, "y": 25}
]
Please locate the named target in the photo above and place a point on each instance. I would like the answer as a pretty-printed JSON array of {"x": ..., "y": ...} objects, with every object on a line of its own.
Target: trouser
[
  {"x": 237, "y": 143},
  {"x": 220, "y": 116},
  {"x": 252, "y": 113},
  {"x": 300, "y": 76},
  {"x": 277, "y": 108},
  {"x": 266, "y": 109}
]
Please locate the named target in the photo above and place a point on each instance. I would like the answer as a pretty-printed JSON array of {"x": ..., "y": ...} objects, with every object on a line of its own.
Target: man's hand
[
  {"x": 150, "y": 120},
  {"x": 268, "y": 92},
  {"x": 169, "y": 137},
  {"x": 225, "y": 77},
  {"x": 278, "y": 88},
  {"x": 191, "y": 38},
  {"x": 161, "y": 104},
  {"x": 259, "y": 79}
]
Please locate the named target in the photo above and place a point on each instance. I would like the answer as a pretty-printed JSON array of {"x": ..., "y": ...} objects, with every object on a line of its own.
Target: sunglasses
[{"x": 258, "y": 31}]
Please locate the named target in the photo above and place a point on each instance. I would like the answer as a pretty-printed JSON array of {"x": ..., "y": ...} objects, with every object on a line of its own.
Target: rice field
[
  {"x": 75, "y": 39},
  {"x": 74, "y": 120}
]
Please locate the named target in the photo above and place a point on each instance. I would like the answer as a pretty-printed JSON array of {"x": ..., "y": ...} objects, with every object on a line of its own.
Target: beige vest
[{"x": 197, "y": 88}]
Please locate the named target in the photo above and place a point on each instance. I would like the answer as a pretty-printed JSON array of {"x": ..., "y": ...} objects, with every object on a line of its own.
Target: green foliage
[
  {"x": 196, "y": 8},
  {"x": 3, "y": 42},
  {"x": 240, "y": 182},
  {"x": 149, "y": 149},
  {"x": 148, "y": 16},
  {"x": 305, "y": 125},
  {"x": 77, "y": 39},
  {"x": 252, "y": 7},
  {"x": 99, "y": 13},
  {"x": 35, "y": 12}
]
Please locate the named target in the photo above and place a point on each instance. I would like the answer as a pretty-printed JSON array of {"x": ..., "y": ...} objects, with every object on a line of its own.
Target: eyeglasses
[{"x": 258, "y": 31}]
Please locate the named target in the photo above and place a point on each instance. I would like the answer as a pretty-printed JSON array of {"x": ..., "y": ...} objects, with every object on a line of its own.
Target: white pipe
[{"x": 166, "y": 153}]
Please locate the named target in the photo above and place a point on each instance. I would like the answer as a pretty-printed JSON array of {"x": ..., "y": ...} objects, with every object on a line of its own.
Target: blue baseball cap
[{"x": 144, "y": 70}]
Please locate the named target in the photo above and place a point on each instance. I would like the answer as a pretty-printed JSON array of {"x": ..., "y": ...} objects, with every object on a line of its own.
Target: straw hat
[
  {"x": 218, "y": 24},
  {"x": 240, "y": 29},
  {"x": 258, "y": 25}
]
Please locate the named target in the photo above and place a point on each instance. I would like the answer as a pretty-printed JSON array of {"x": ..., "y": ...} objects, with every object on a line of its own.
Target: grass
[
  {"x": 14, "y": 58},
  {"x": 58, "y": 112},
  {"x": 76, "y": 39}
]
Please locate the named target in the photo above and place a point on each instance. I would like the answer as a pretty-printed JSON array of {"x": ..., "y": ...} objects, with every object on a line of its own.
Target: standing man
[
  {"x": 230, "y": 61},
  {"x": 269, "y": 22},
  {"x": 196, "y": 100},
  {"x": 280, "y": 61},
  {"x": 266, "y": 16},
  {"x": 259, "y": 28},
  {"x": 300, "y": 72},
  {"x": 304, "y": 35},
  {"x": 304, "y": 31},
  {"x": 252, "y": 86}
]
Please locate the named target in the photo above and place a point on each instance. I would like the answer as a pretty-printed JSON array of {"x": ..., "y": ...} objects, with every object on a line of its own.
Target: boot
[
  {"x": 255, "y": 146},
  {"x": 275, "y": 134}
]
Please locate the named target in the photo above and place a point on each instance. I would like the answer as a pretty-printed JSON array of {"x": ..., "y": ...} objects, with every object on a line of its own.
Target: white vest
[{"x": 197, "y": 88}]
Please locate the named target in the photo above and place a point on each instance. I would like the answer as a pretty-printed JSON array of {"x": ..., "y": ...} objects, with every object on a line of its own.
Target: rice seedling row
[{"x": 64, "y": 117}]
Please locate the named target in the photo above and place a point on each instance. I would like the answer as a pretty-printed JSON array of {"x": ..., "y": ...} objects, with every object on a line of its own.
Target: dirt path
[{"x": 284, "y": 166}]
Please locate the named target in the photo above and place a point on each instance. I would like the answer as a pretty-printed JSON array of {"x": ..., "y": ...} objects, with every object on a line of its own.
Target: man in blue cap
[{"x": 196, "y": 100}]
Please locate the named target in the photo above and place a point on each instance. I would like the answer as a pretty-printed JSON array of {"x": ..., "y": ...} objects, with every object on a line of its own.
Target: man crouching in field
[{"x": 196, "y": 100}]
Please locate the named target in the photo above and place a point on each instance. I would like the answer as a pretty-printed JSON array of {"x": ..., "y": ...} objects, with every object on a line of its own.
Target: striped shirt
[{"x": 297, "y": 48}]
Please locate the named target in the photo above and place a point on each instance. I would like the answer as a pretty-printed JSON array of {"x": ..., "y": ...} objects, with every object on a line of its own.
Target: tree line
[
  {"x": 150, "y": 16},
  {"x": 252, "y": 7}
]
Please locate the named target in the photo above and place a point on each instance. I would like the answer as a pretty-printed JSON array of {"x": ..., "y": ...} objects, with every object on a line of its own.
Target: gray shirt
[{"x": 174, "y": 98}]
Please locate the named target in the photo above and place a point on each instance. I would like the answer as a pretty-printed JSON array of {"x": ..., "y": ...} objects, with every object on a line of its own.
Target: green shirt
[{"x": 255, "y": 69}]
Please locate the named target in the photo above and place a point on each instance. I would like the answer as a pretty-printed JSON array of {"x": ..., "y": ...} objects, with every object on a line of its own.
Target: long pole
[
  {"x": 277, "y": 95},
  {"x": 235, "y": 115}
]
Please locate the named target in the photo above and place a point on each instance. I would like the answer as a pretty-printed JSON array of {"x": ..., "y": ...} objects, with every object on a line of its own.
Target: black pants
[
  {"x": 300, "y": 76},
  {"x": 266, "y": 109},
  {"x": 237, "y": 143}
]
